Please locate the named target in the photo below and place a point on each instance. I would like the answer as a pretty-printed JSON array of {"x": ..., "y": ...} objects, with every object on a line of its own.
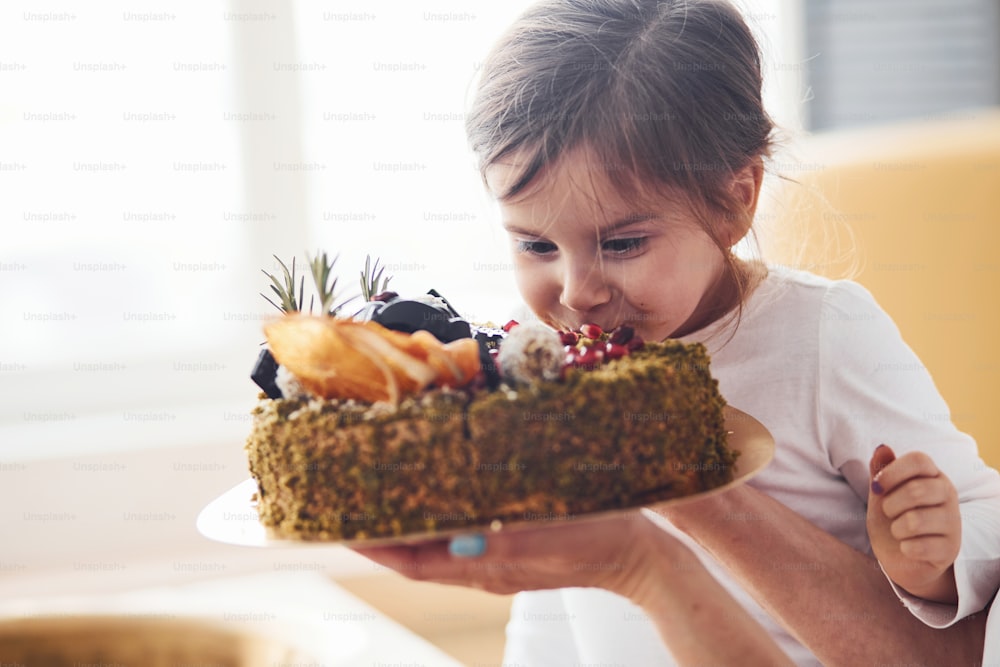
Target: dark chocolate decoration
[
  {"x": 264, "y": 373},
  {"x": 457, "y": 328},
  {"x": 445, "y": 323},
  {"x": 408, "y": 316},
  {"x": 489, "y": 339},
  {"x": 451, "y": 309}
]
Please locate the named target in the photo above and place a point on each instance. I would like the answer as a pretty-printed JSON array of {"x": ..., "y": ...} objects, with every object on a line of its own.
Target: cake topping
[
  {"x": 384, "y": 297},
  {"x": 393, "y": 347},
  {"x": 409, "y": 315},
  {"x": 288, "y": 384},
  {"x": 621, "y": 335},
  {"x": 531, "y": 351},
  {"x": 489, "y": 340},
  {"x": 340, "y": 358},
  {"x": 324, "y": 282},
  {"x": 590, "y": 347},
  {"x": 264, "y": 373}
]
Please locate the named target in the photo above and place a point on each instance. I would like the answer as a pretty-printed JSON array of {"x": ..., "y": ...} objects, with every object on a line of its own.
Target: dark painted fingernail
[
  {"x": 877, "y": 488},
  {"x": 467, "y": 546},
  {"x": 880, "y": 446}
]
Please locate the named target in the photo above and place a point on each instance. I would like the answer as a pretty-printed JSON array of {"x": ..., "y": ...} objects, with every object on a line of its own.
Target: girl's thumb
[{"x": 882, "y": 457}]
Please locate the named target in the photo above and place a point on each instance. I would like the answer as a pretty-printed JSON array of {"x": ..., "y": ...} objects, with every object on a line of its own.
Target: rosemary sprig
[
  {"x": 285, "y": 288},
  {"x": 325, "y": 284},
  {"x": 370, "y": 278},
  {"x": 322, "y": 271}
]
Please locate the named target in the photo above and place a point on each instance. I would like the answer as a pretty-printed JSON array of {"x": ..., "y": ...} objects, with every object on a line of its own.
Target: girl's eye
[
  {"x": 623, "y": 246},
  {"x": 535, "y": 247}
]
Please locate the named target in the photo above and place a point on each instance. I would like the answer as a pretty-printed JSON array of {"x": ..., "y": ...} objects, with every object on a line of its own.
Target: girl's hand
[
  {"x": 914, "y": 524},
  {"x": 603, "y": 553}
]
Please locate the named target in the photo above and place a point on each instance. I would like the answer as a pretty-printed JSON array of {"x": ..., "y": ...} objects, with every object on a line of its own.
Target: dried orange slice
[
  {"x": 339, "y": 358},
  {"x": 465, "y": 353}
]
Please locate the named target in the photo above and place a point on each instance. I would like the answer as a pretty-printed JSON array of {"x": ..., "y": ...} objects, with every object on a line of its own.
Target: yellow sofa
[{"x": 912, "y": 212}]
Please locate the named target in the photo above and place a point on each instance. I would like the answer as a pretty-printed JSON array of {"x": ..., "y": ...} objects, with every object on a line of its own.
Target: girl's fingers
[
  {"x": 906, "y": 467},
  {"x": 923, "y": 522},
  {"x": 931, "y": 549},
  {"x": 881, "y": 457},
  {"x": 918, "y": 493}
]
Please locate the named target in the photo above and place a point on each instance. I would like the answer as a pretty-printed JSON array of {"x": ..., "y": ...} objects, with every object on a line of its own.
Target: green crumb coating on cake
[
  {"x": 634, "y": 431},
  {"x": 645, "y": 428},
  {"x": 327, "y": 470}
]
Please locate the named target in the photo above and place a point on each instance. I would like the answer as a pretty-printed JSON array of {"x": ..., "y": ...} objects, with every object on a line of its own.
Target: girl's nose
[{"x": 584, "y": 287}]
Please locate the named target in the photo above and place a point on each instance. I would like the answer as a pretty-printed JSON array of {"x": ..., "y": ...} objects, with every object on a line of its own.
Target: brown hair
[{"x": 664, "y": 93}]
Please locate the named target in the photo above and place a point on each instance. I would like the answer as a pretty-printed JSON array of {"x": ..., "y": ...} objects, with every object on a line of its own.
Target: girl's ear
[{"x": 746, "y": 191}]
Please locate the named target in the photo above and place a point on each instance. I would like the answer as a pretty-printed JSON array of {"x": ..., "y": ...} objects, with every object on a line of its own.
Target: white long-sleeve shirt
[
  {"x": 991, "y": 656},
  {"x": 825, "y": 369}
]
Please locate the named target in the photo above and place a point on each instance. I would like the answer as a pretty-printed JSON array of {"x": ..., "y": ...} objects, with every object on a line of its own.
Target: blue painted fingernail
[
  {"x": 467, "y": 546},
  {"x": 877, "y": 488}
]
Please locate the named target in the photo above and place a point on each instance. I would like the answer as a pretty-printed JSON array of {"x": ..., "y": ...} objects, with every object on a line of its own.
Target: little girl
[{"x": 624, "y": 141}]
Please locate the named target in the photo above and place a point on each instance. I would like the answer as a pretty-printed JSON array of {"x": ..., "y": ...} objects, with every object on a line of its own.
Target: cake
[{"x": 517, "y": 424}]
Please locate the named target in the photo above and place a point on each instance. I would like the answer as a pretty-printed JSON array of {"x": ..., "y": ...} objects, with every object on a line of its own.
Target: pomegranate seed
[
  {"x": 615, "y": 351},
  {"x": 510, "y": 325},
  {"x": 622, "y": 334},
  {"x": 385, "y": 297},
  {"x": 591, "y": 330},
  {"x": 635, "y": 343},
  {"x": 590, "y": 356},
  {"x": 569, "y": 337}
]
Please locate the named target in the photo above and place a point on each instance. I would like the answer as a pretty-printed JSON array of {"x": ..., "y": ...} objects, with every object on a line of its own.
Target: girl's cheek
[
  {"x": 536, "y": 287},
  {"x": 522, "y": 278}
]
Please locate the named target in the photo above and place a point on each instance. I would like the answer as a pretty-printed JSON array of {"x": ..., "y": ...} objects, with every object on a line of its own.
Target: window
[{"x": 879, "y": 62}]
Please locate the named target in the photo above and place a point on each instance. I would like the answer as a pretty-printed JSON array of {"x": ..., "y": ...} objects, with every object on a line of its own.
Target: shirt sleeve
[
  {"x": 539, "y": 631},
  {"x": 991, "y": 652},
  {"x": 873, "y": 389}
]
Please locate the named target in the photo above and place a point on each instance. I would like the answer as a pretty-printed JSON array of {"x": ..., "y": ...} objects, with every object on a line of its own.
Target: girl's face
[{"x": 584, "y": 254}]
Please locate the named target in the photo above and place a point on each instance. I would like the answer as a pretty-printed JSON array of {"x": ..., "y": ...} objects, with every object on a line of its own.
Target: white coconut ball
[{"x": 531, "y": 351}]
